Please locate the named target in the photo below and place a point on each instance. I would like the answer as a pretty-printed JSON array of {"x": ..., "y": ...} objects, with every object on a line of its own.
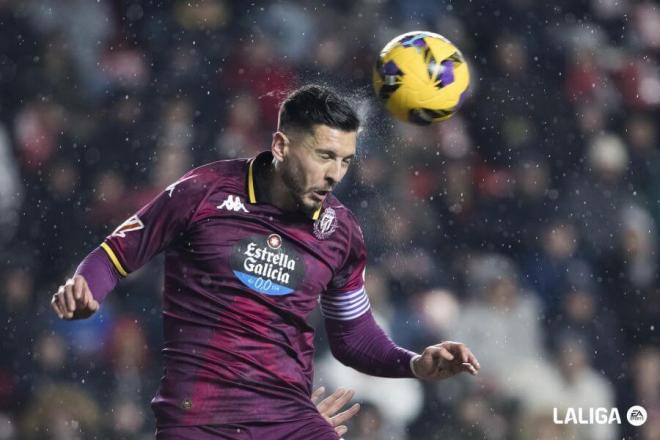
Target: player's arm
[
  {"x": 361, "y": 344},
  {"x": 356, "y": 340},
  {"x": 129, "y": 247},
  {"x": 353, "y": 335}
]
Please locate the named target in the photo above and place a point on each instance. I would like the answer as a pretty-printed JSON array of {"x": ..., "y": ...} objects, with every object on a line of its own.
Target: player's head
[{"x": 314, "y": 143}]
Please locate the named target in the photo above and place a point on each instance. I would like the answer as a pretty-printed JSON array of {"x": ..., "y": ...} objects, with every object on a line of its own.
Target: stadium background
[{"x": 526, "y": 226}]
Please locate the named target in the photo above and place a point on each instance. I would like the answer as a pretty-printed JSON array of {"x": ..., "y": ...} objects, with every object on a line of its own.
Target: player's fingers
[
  {"x": 55, "y": 305},
  {"x": 432, "y": 358},
  {"x": 468, "y": 368},
  {"x": 458, "y": 352},
  {"x": 341, "y": 430},
  {"x": 325, "y": 403},
  {"x": 435, "y": 354},
  {"x": 473, "y": 360},
  {"x": 61, "y": 303},
  {"x": 443, "y": 353},
  {"x": 79, "y": 286},
  {"x": 83, "y": 301},
  {"x": 69, "y": 300},
  {"x": 87, "y": 296},
  {"x": 333, "y": 403},
  {"x": 345, "y": 416},
  {"x": 464, "y": 353},
  {"x": 93, "y": 305},
  {"x": 316, "y": 395},
  {"x": 88, "y": 302},
  {"x": 344, "y": 398},
  {"x": 457, "y": 349},
  {"x": 340, "y": 401}
]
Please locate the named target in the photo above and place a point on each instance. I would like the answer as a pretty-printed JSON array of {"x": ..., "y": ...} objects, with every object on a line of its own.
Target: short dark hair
[{"x": 314, "y": 104}]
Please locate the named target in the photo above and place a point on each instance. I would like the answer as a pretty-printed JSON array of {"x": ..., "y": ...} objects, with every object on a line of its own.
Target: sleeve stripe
[
  {"x": 344, "y": 308},
  {"x": 115, "y": 261},
  {"x": 342, "y": 304},
  {"x": 347, "y": 316},
  {"x": 333, "y": 296}
]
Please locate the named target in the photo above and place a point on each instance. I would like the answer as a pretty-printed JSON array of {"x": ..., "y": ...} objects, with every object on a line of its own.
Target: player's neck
[{"x": 272, "y": 189}]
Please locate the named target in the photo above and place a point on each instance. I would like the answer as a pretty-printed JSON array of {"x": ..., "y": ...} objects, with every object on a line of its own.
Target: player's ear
[{"x": 279, "y": 146}]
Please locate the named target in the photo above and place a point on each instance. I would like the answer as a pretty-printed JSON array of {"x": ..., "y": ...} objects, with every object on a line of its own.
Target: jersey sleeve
[
  {"x": 346, "y": 298},
  {"x": 155, "y": 226},
  {"x": 354, "y": 337}
]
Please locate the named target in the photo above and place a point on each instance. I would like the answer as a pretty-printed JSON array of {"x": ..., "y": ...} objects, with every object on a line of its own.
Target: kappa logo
[
  {"x": 132, "y": 224},
  {"x": 233, "y": 203},
  {"x": 326, "y": 225}
]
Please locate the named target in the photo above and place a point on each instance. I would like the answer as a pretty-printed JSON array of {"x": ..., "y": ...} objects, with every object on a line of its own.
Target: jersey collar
[{"x": 252, "y": 194}]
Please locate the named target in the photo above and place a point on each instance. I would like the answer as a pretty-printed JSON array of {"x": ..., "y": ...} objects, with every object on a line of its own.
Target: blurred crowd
[{"x": 526, "y": 226}]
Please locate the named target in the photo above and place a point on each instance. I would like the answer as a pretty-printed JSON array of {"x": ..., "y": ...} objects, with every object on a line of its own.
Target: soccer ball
[{"x": 421, "y": 77}]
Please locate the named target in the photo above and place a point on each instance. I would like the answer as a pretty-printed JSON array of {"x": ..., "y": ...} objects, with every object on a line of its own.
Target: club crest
[{"x": 326, "y": 224}]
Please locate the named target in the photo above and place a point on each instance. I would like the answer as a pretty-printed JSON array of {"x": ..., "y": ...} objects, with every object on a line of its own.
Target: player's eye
[{"x": 325, "y": 155}]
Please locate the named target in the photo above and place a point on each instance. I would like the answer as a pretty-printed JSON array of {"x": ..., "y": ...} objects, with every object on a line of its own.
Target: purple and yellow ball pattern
[{"x": 421, "y": 77}]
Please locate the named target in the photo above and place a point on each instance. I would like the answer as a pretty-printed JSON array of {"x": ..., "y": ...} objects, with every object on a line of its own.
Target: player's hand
[
  {"x": 329, "y": 406},
  {"x": 74, "y": 300},
  {"x": 445, "y": 360}
]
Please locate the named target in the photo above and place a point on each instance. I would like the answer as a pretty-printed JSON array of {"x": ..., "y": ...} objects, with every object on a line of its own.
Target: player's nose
[{"x": 333, "y": 173}]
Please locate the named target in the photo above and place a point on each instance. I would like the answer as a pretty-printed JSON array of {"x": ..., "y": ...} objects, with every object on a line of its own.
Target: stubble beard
[{"x": 296, "y": 189}]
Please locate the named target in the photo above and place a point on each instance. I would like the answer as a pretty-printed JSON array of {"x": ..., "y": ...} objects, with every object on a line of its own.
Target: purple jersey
[{"x": 241, "y": 279}]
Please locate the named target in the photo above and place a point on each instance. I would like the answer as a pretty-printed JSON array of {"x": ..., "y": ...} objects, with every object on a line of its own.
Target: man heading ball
[{"x": 251, "y": 246}]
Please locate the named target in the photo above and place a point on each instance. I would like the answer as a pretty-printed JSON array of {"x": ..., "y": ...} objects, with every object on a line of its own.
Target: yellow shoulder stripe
[
  {"x": 115, "y": 261},
  {"x": 251, "y": 195}
]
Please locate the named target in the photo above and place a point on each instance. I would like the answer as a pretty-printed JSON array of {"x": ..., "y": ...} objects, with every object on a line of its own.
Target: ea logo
[{"x": 636, "y": 415}]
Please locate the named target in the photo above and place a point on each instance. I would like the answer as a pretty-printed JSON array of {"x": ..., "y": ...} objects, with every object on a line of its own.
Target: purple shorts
[{"x": 314, "y": 428}]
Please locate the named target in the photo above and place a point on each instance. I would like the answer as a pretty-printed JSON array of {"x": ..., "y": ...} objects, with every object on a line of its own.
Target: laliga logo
[{"x": 636, "y": 416}]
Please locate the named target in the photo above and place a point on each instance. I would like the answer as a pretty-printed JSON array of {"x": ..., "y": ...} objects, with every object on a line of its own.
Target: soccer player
[{"x": 251, "y": 246}]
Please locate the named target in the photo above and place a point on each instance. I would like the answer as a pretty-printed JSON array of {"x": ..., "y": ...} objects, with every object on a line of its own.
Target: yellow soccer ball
[{"x": 421, "y": 77}]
